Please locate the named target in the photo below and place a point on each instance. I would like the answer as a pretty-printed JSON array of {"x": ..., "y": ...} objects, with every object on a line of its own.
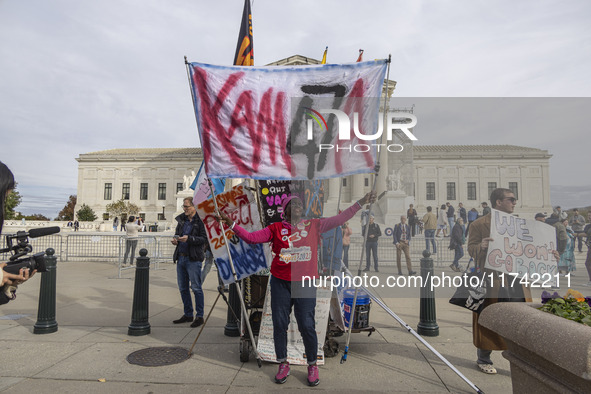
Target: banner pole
[
  {"x": 334, "y": 239},
  {"x": 415, "y": 334},
  {"x": 240, "y": 296},
  {"x": 366, "y": 232}
]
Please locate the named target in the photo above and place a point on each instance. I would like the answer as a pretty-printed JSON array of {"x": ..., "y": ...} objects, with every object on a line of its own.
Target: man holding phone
[{"x": 189, "y": 238}]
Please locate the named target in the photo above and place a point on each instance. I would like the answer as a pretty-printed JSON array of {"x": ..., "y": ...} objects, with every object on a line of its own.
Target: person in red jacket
[{"x": 294, "y": 242}]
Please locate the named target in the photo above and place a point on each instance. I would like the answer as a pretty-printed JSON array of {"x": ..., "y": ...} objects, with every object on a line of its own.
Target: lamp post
[{"x": 163, "y": 217}]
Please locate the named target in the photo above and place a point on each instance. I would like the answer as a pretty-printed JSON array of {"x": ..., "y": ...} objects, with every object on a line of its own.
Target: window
[
  {"x": 366, "y": 182},
  {"x": 105, "y": 216},
  {"x": 108, "y": 191},
  {"x": 491, "y": 186},
  {"x": 161, "y": 216},
  {"x": 430, "y": 191},
  {"x": 513, "y": 188},
  {"x": 125, "y": 191},
  {"x": 179, "y": 187},
  {"x": 162, "y": 191},
  {"x": 451, "y": 190},
  {"x": 345, "y": 185},
  {"x": 143, "y": 191},
  {"x": 143, "y": 216},
  {"x": 471, "y": 190}
]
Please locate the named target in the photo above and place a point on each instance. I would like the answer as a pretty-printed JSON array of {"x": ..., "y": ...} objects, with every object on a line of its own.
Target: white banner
[
  {"x": 298, "y": 122},
  {"x": 522, "y": 247},
  {"x": 295, "y": 343}
]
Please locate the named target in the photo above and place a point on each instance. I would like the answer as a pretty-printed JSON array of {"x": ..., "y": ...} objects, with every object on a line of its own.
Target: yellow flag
[{"x": 324, "y": 56}]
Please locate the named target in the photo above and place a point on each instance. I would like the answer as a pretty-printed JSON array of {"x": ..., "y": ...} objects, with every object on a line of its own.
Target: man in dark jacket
[
  {"x": 373, "y": 233},
  {"x": 402, "y": 236},
  {"x": 190, "y": 238}
]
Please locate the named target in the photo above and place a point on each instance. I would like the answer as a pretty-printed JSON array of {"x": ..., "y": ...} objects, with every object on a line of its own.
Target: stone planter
[{"x": 548, "y": 354}]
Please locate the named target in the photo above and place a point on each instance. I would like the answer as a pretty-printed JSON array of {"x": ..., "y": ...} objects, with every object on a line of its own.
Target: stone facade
[
  {"x": 440, "y": 173},
  {"x": 149, "y": 178}
]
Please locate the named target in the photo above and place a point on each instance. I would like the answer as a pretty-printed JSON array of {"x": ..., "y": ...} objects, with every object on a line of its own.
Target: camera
[
  {"x": 22, "y": 247},
  {"x": 34, "y": 262}
]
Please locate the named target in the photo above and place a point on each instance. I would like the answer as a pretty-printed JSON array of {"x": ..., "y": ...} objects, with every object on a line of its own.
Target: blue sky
[{"x": 81, "y": 76}]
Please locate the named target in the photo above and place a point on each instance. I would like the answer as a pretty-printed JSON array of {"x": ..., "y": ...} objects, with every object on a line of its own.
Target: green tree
[
  {"x": 12, "y": 201},
  {"x": 122, "y": 207},
  {"x": 86, "y": 214},
  {"x": 35, "y": 216},
  {"x": 67, "y": 213}
]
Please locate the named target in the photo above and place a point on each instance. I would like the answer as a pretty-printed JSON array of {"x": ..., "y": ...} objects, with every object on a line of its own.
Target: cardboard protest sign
[
  {"x": 240, "y": 205},
  {"x": 522, "y": 247},
  {"x": 272, "y": 193},
  {"x": 295, "y": 343}
]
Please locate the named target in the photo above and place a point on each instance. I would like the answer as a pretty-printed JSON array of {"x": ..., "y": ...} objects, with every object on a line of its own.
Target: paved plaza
[{"x": 88, "y": 352}]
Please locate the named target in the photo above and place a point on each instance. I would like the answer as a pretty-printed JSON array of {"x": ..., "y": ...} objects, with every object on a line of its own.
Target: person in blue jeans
[
  {"x": 430, "y": 225},
  {"x": 190, "y": 238},
  {"x": 456, "y": 243}
]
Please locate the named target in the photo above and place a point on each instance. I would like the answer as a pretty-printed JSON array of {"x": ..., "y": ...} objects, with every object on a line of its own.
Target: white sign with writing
[
  {"x": 295, "y": 344},
  {"x": 522, "y": 247}
]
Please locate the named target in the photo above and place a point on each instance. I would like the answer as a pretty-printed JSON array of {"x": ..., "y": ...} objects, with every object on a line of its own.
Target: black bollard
[
  {"x": 46, "y": 323},
  {"x": 428, "y": 316},
  {"x": 141, "y": 296},
  {"x": 232, "y": 328}
]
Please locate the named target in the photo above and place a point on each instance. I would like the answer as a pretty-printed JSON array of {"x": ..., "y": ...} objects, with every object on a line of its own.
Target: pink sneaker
[
  {"x": 313, "y": 375},
  {"x": 283, "y": 373}
]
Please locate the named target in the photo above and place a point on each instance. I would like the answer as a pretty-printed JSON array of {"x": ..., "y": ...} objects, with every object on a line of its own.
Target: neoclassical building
[
  {"x": 154, "y": 179},
  {"x": 150, "y": 178}
]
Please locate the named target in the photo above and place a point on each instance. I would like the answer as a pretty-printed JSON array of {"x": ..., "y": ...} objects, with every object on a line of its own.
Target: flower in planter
[
  {"x": 572, "y": 307},
  {"x": 546, "y": 296}
]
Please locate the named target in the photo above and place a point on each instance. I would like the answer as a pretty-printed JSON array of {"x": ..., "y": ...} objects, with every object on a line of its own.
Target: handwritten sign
[
  {"x": 295, "y": 343},
  {"x": 272, "y": 193},
  {"x": 239, "y": 204},
  {"x": 253, "y": 121},
  {"x": 521, "y": 246}
]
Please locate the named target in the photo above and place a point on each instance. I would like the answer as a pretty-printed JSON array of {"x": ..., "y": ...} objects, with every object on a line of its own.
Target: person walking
[
  {"x": 441, "y": 221},
  {"x": 115, "y": 223},
  {"x": 402, "y": 236},
  {"x": 456, "y": 243},
  {"x": 373, "y": 234}
]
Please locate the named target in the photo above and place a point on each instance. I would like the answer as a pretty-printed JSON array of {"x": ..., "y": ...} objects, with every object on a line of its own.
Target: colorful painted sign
[{"x": 240, "y": 205}]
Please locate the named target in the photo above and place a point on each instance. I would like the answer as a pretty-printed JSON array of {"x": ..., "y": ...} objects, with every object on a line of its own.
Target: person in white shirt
[{"x": 131, "y": 229}]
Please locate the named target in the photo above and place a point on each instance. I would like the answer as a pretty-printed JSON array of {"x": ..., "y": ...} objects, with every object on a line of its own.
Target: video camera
[{"x": 19, "y": 246}]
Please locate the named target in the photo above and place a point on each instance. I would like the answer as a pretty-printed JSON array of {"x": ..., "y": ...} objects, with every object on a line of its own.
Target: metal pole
[
  {"x": 334, "y": 239},
  {"x": 141, "y": 297},
  {"x": 365, "y": 235},
  {"x": 414, "y": 333},
  {"x": 46, "y": 323},
  {"x": 204, "y": 323},
  {"x": 428, "y": 314},
  {"x": 239, "y": 288}
]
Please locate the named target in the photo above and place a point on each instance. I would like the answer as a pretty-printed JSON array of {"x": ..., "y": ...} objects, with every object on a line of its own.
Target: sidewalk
[{"x": 94, "y": 310}]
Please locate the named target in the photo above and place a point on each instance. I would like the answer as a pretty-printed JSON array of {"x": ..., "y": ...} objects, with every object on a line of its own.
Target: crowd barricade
[{"x": 110, "y": 247}]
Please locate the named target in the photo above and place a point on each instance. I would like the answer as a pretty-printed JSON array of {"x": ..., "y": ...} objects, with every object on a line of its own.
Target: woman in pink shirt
[{"x": 294, "y": 243}]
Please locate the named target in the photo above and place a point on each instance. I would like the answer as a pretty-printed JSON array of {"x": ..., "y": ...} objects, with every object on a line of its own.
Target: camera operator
[{"x": 8, "y": 281}]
